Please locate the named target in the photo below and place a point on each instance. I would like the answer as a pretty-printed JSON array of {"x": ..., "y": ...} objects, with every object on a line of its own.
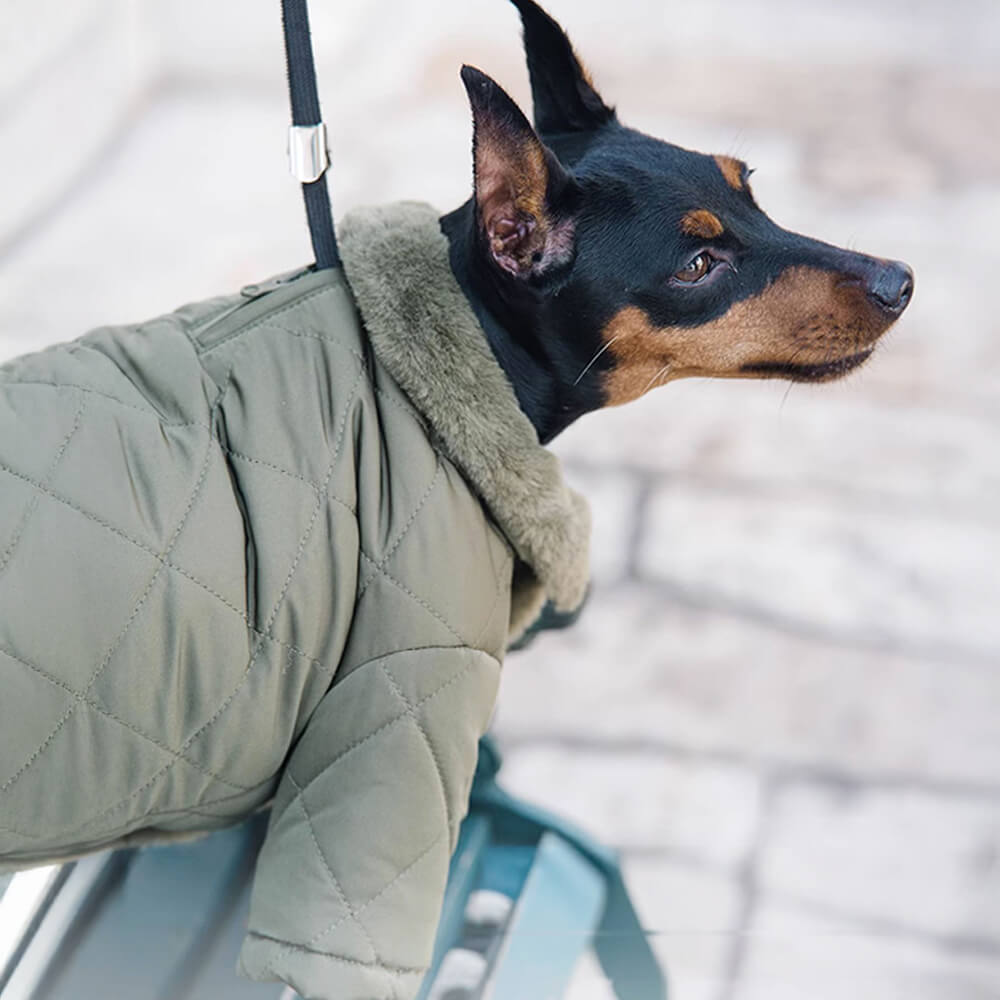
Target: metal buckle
[{"x": 308, "y": 157}]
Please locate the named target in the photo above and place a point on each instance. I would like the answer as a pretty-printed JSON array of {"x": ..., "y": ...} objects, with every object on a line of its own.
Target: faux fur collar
[{"x": 424, "y": 331}]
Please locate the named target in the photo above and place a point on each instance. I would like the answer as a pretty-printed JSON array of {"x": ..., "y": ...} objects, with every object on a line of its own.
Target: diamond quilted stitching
[
  {"x": 144, "y": 453},
  {"x": 392, "y": 609},
  {"x": 107, "y": 756},
  {"x": 74, "y": 600},
  {"x": 270, "y": 370},
  {"x": 337, "y": 799},
  {"x": 32, "y": 505},
  {"x": 448, "y": 561},
  {"x": 48, "y": 684},
  {"x": 30, "y": 703},
  {"x": 377, "y": 567},
  {"x": 320, "y": 506},
  {"x": 424, "y": 738},
  {"x": 414, "y": 598},
  {"x": 334, "y": 881},
  {"x": 44, "y": 575},
  {"x": 160, "y": 775}
]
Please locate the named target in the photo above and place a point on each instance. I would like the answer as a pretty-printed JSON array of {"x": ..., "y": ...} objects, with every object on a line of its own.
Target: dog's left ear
[
  {"x": 564, "y": 97},
  {"x": 522, "y": 192}
]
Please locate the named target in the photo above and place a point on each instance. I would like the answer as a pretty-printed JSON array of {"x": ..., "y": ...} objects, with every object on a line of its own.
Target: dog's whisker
[
  {"x": 593, "y": 360},
  {"x": 655, "y": 378},
  {"x": 788, "y": 388},
  {"x": 784, "y": 396}
]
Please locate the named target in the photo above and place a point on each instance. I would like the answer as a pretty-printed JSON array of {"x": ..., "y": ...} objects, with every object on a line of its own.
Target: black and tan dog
[
  {"x": 603, "y": 262},
  {"x": 272, "y": 548}
]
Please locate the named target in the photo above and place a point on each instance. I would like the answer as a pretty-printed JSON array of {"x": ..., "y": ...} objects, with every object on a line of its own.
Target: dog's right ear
[
  {"x": 564, "y": 97},
  {"x": 521, "y": 189}
]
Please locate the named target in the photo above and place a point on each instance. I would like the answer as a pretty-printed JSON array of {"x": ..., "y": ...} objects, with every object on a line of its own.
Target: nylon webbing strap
[{"x": 307, "y": 137}]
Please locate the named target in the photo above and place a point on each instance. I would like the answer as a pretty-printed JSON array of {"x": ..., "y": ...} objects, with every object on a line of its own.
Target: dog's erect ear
[
  {"x": 564, "y": 97},
  {"x": 519, "y": 183}
]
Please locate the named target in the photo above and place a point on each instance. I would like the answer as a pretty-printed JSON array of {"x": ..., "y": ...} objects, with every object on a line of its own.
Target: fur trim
[{"x": 425, "y": 333}]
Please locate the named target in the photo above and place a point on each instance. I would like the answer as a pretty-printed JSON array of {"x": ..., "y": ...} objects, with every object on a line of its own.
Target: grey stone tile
[
  {"x": 703, "y": 811},
  {"x": 865, "y": 567},
  {"x": 613, "y": 499},
  {"x": 905, "y": 858},
  {"x": 691, "y": 917},
  {"x": 157, "y": 229},
  {"x": 830, "y": 439},
  {"x": 791, "y": 955},
  {"x": 643, "y": 669},
  {"x": 65, "y": 92}
]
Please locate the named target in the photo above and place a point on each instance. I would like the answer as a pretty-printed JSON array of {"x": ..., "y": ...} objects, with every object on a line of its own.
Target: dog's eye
[{"x": 695, "y": 269}]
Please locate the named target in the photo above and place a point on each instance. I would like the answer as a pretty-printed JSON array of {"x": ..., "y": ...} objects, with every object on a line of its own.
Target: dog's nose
[{"x": 891, "y": 286}]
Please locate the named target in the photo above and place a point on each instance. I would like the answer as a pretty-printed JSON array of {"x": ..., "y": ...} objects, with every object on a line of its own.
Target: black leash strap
[{"x": 307, "y": 151}]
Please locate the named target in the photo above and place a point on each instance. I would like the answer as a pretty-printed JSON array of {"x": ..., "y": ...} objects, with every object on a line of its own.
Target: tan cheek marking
[
  {"x": 732, "y": 170},
  {"x": 701, "y": 223},
  {"x": 806, "y": 317}
]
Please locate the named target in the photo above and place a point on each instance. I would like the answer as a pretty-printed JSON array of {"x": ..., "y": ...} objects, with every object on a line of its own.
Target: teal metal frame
[{"x": 567, "y": 891}]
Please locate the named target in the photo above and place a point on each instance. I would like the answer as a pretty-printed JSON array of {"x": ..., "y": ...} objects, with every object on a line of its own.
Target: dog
[
  {"x": 604, "y": 262},
  {"x": 315, "y": 514}
]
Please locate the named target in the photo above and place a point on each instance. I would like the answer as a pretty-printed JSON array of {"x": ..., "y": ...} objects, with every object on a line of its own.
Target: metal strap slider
[{"x": 308, "y": 156}]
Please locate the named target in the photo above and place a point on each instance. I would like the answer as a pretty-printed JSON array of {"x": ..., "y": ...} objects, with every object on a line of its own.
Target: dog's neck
[{"x": 516, "y": 329}]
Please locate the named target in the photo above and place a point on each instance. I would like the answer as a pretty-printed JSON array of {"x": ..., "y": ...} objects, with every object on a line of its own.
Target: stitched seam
[
  {"x": 411, "y": 712},
  {"x": 159, "y": 556},
  {"x": 380, "y": 571},
  {"x": 329, "y": 871},
  {"x": 315, "y": 487},
  {"x": 419, "y": 649},
  {"x": 411, "y": 411},
  {"x": 228, "y": 701},
  {"x": 146, "y": 411},
  {"x": 60, "y": 722},
  {"x": 403, "y": 872},
  {"x": 107, "y": 713},
  {"x": 195, "y": 493},
  {"x": 394, "y": 970},
  {"x": 32, "y": 504},
  {"x": 123, "y": 829},
  {"x": 260, "y": 321},
  {"x": 72, "y": 506},
  {"x": 291, "y": 647},
  {"x": 498, "y": 591},
  {"x": 407, "y": 408},
  {"x": 377, "y": 565},
  {"x": 392, "y": 722},
  {"x": 421, "y": 503},
  {"x": 303, "y": 541},
  {"x": 313, "y": 334},
  {"x": 270, "y": 465}
]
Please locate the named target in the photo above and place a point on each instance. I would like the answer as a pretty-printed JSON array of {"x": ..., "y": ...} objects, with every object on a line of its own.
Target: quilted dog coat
[{"x": 271, "y": 548}]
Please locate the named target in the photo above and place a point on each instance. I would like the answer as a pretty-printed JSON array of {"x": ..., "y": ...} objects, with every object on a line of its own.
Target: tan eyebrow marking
[
  {"x": 732, "y": 170},
  {"x": 703, "y": 223}
]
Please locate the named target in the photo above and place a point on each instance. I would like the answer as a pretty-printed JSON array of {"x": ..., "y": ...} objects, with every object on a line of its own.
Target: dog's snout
[{"x": 890, "y": 286}]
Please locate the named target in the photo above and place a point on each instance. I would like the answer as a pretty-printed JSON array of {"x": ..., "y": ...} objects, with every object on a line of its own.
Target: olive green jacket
[{"x": 273, "y": 547}]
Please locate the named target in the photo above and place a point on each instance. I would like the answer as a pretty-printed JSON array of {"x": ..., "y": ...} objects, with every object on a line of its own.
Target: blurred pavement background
[{"x": 783, "y": 702}]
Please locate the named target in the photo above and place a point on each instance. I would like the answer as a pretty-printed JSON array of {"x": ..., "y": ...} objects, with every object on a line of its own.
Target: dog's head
[{"x": 635, "y": 262}]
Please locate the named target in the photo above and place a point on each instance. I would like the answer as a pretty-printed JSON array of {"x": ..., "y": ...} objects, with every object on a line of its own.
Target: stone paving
[{"x": 783, "y": 702}]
